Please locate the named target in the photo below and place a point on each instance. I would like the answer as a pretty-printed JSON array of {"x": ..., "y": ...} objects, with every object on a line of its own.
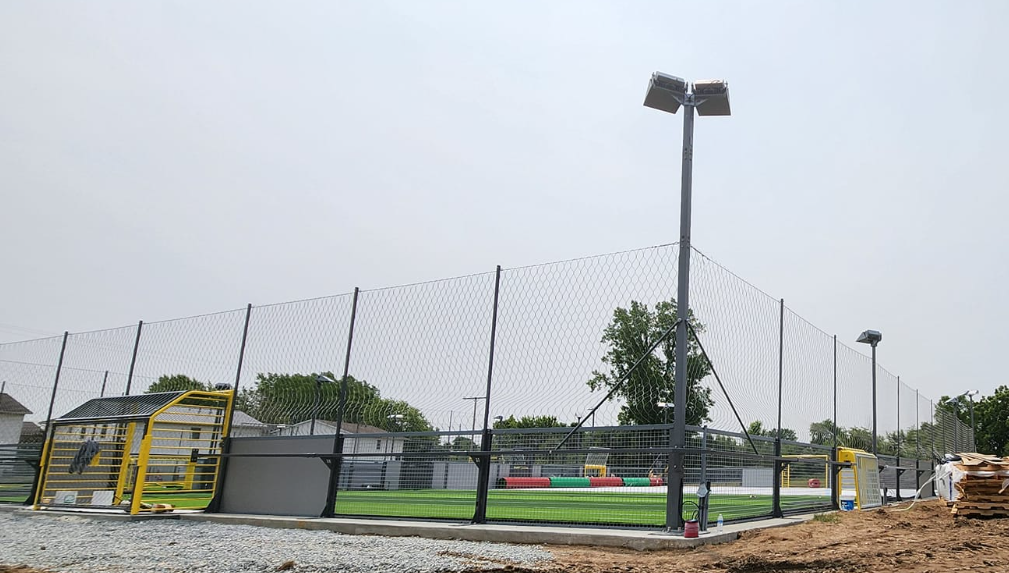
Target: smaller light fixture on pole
[
  {"x": 319, "y": 381},
  {"x": 969, "y": 395},
  {"x": 665, "y": 410},
  {"x": 872, "y": 337}
]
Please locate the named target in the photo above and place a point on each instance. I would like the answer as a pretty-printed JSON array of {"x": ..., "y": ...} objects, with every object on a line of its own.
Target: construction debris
[{"x": 982, "y": 486}]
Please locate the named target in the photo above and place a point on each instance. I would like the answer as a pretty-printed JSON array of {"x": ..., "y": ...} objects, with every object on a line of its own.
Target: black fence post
[
  {"x": 835, "y": 486},
  {"x": 105, "y": 380},
  {"x": 335, "y": 465},
  {"x": 483, "y": 476},
  {"x": 898, "y": 472},
  {"x": 215, "y": 503},
  {"x": 778, "y": 466},
  {"x": 49, "y": 417},
  {"x": 133, "y": 361}
]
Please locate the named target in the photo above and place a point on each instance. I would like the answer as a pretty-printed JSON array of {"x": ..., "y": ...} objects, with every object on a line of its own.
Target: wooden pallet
[
  {"x": 1004, "y": 512},
  {"x": 981, "y": 505}
]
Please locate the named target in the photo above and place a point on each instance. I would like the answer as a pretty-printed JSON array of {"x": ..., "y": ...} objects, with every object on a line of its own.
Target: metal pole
[
  {"x": 674, "y": 488},
  {"x": 3, "y": 387},
  {"x": 874, "y": 452},
  {"x": 835, "y": 489},
  {"x": 483, "y": 463},
  {"x": 49, "y": 417},
  {"x": 473, "y": 430},
  {"x": 834, "y": 430},
  {"x": 104, "y": 382},
  {"x": 315, "y": 408},
  {"x": 898, "y": 471},
  {"x": 776, "y": 489},
  {"x": 133, "y": 361},
  {"x": 329, "y": 510},
  {"x": 973, "y": 429},
  {"x": 215, "y": 503},
  {"x": 931, "y": 424}
]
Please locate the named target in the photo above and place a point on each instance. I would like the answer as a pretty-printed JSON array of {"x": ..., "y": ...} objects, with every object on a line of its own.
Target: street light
[
  {"x": 665, "y": 413},
  {"x": 872, "y": 337},
  {"x": 969, "y": 395},
  {"x": 709, "y": 97},
  {"x": 319, "y": 381}
]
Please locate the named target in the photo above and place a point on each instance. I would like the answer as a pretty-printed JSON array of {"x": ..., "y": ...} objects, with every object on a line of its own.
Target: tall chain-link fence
[{"x": 458, "y": 398}]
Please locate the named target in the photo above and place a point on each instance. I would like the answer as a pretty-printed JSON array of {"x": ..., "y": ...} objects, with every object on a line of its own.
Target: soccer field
[
  {"x": 559, "y": 505},
  {"x": 599, "y": 507}
]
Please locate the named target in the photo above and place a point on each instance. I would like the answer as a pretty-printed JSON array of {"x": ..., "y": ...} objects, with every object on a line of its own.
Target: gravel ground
[{"x": 72, "y": 544}]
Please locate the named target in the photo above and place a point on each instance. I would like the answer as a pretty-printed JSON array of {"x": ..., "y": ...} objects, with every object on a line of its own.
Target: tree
[
  {"x": 177, "y": 383},
  {"x": 529, "y": 422},
  {"x": 953, "y": 406},
  {"x": 756, "y": 428},
  {"x": 291, "y": 398},
  {"x": 991, "y": 414},
  {"x": 823, "y": 433},
  {"x": 629, "y": 336}
]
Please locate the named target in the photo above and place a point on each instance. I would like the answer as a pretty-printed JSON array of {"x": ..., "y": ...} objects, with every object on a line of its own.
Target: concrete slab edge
[{"x": 639, "y": 540}]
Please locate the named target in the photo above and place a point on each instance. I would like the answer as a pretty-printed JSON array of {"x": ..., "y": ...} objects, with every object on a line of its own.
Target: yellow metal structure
[
  {"x": 806, "y": 471},
  {"x": 862, "y": 478},
  {"x": 137, "y": 459},
  {"x": 595, "y": 471}
]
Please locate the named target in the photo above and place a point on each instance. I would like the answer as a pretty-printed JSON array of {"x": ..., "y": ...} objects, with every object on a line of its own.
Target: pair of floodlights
[{"x": 667, "y": 93}]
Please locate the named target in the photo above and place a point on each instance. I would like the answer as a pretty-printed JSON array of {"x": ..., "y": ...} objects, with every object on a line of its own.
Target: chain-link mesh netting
[
  {"x": 567, "y": 334},
  {"x": 568, "y": 331},
  {"x": 741, "y": 336},
  {"x": 289, "y": 347},
  {"x": 198, "y": 352}
]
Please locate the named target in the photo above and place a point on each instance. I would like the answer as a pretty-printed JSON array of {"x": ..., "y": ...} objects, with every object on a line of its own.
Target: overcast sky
[{"x": 165, "y": 159}]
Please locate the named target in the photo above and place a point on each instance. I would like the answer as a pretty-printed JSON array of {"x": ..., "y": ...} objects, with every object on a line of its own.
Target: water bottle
[{"x": 721, "y": 522}]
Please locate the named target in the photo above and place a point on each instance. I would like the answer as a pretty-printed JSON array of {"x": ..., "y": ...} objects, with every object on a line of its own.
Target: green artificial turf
[{"x": 557, "y": 505}]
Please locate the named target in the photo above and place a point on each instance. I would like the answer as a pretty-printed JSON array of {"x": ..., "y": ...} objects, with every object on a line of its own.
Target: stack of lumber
[{"x": 984, "y": 488}]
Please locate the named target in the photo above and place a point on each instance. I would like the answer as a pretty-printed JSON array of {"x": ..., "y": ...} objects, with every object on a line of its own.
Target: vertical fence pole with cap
[
  {"x": 483, "y": 462},
  {"x": 898, "y": 472},
  {"x": 33, "y": 498},
  {"x": 329, "y": 510},
  {"x": 215, "y": 503},
  {"x": 835, "y": 489},
  {"x": 778, "y": 466},
  {"x": 133, "y": 360}
]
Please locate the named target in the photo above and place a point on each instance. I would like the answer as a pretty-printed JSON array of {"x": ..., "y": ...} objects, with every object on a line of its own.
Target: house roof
[
  {"x": 240, "y": 418},
  {"x": 121, "y": 407},
  {"x": 349, "y": 428},
  {"x": 31, "y": 431},
  {"x": 8, "y": 405}
]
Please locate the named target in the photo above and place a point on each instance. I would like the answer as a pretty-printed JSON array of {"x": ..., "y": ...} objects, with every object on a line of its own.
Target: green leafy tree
[
  {"x": 177, "y": 383},
  {"x": 954, "y": 406},
  {"x": 629, "y": 336},
  {"x": 756, "y": 428},
  {"x": 823, "y": 433},
  {"x": 291, "y": 398},
  {"x": 991, "y": 414}
]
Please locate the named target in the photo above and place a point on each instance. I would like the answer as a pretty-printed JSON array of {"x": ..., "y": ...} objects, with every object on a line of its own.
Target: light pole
[
  {"x": 872, "y": 337},
  {"x": 665, "y": 410},
  {"x": 709, "y": 97},
  {"x": 475, "y": 400},
  {"x": 319, "y": 381},
  {"x": 969, "y": 395}
]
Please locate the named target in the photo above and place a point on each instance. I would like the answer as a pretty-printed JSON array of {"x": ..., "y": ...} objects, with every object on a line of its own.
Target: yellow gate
[{"x": 169, "y": 443}]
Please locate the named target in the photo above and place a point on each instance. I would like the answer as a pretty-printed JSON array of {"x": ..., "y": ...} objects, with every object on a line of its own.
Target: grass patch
[{"x": 827, "y": 517}]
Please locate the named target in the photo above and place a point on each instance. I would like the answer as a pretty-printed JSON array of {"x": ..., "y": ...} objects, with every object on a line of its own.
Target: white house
[
  {"x": 352, "y": 442},
  {"x": 12, "y": 416}
]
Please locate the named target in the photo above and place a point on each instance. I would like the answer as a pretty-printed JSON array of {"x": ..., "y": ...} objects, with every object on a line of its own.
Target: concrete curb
[{"x": 629, "y": 539}]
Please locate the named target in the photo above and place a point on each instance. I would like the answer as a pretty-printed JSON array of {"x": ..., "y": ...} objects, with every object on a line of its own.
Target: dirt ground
[{"x": 926, "y": 539}]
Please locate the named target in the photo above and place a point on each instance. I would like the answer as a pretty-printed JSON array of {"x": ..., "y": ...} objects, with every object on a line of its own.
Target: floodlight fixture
[
  {"x": 712, "y": 97},
  {"x": 872, "y": 337},
  {"x": 665, "y": 92}
]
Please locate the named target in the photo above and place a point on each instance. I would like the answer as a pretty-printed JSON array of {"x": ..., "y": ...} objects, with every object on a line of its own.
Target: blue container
[{"x": 847, "y": 504}]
